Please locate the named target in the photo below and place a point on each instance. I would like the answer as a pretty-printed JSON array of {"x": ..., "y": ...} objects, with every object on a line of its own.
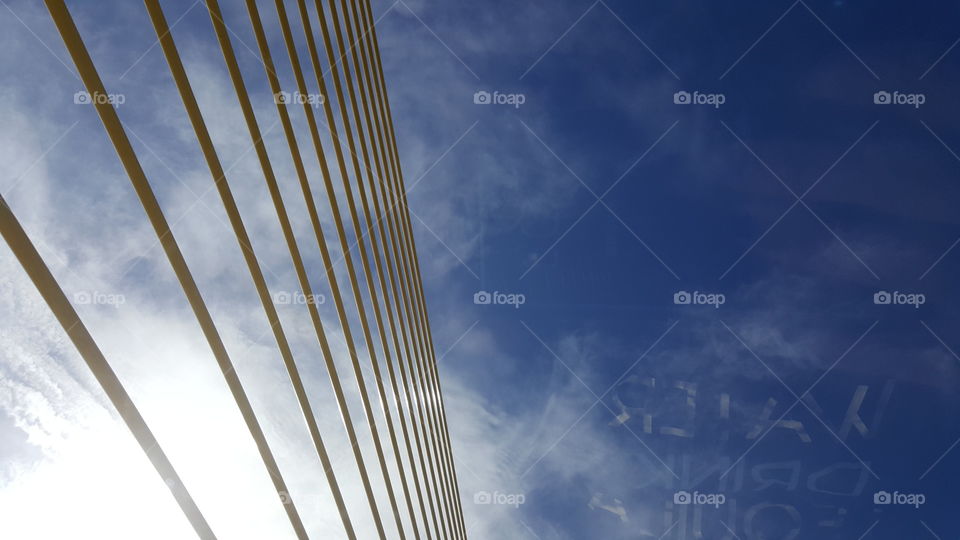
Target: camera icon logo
[
  {"x": 281, "y": 98},
  {"x": 682, "y": 298},
  {"x": 681, "y": 98},
  {"x": 83, "y": 298},
  {"x": 482, "y": 497},
  {"x": 882, "y": 298},
  {"x": 82, "y": 97},
  {"x": 282, "y": 298},
  {"x": 882, "y": 497},
  {"x": 682, "y": 497},
  {"x": 482, "y": 97},
  {"x": 482, "y": 298},
  {"x": 882, "y": 97}
]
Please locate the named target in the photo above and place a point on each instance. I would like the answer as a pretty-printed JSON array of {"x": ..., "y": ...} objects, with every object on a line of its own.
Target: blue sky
[{"x": 599, "y": 199}]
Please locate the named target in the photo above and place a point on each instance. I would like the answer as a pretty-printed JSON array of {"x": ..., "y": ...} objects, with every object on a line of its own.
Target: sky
[{"x": 687, "y": 266}]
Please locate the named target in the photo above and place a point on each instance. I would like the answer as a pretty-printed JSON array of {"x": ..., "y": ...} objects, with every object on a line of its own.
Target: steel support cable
[
  {"x": 370, "y": 174},
  {"x": 256, "y": 136},
  {"x": 407, "y": 254},
  {"x": 421, "y": 349},
  {"x": 398, "y": 297},
  {"x": 351, "y": 205},
  {"x": 404, "y": 214},
  {"x": 379, "y": 220},
  {"x": 373, "y": 46},
  {"x": 338, "y": 222},
  {"x": 378, "y": 153},
  {"x": 386, "y": 203},
  {"x": 431, "y": 370},
  {"x": 396, "y": 343},
  {"x": 108, "y": 116},
  {"x": 401, "y": 203},
  {"x": 366, "y": 209},
  {"x": 361, "y": 312},
  {"x": 218, "y": 175},
  {"x": 31, "y": 261},
  {"x": 273, "y": 80}
]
